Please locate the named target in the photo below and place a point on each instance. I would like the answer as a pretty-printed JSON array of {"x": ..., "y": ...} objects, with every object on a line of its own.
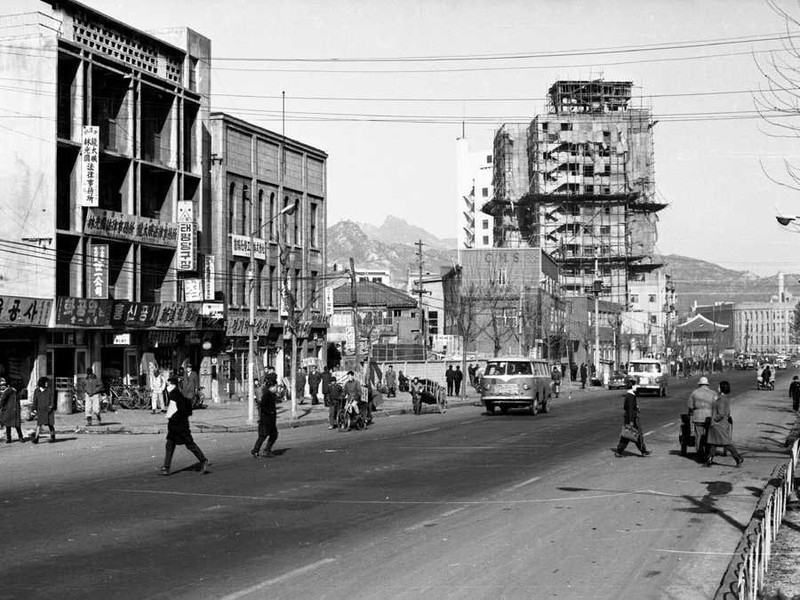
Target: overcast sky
[{"x": 709, "y": 170}]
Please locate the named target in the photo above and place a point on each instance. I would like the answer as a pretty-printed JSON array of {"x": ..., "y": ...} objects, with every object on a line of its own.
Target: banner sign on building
[
  {"x": 83, "y": 312},
  {"x": 215, "y": 310},
  {"x": 90, "y": 170},
  {"x": 238, "y": 323},
  {"x": 208, "y": 278},
  {"x": 135, "y": 314},
  {"x": 98, "y": 271},
  {"x": 240, "y": 246},
  {"x": 185, "y": 211},
  {"x": 131, "y": 228},
  {"x": 329, "y": 301},
  {"x": 178, "y": 315},
  {"x": 193, "y": 290},
  {"x": 25, "y": 312},
  {"x": 187, "y": 253}
]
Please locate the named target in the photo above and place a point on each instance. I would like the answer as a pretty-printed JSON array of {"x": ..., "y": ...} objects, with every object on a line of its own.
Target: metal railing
[{"x": 745, "y": 574}]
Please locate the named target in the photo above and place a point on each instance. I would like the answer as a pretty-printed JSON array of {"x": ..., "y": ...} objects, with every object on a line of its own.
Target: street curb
[{"x": 200, "y": 427}]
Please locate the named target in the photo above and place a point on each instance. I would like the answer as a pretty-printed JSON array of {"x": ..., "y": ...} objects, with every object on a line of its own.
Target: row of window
[
  {"x": 651, "y": 298},
  {"x": 266, "y": 285},
  {"x": 265, "y": 211}
]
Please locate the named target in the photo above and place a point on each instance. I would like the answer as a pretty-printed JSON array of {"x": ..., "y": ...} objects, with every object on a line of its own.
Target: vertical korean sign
[
  {"x": 208, "y": 278},
  {"x": 98, "y": 271},
  {"x": 187, "y": 252},
  {"x": 90, "y": 169}
]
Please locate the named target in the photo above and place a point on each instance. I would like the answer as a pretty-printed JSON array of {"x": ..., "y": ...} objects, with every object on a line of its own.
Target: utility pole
[
  {"x": 597, "y": 287},
  {"x": 421, "y": 291},
  {"x": 354, "y": 305}
]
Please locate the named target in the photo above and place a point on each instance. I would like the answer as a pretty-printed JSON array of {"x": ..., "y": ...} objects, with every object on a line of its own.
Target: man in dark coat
[
  {"x": 44, "y": 405},
  {"x": 458, "y": 377},
  {"x": 720, "y": 433},
  {"x": 10, "y": 415},
  {"x": 190, "y": 386},
  {"x": 573, "y": 372},
  {"x": 334, "y": 400},
  {"x": 794, "y": 393},
  {"x": 314, "y": 379},
  {"x": 584, "y": 375},
  {"x": 631, "y": 417},
  {"x": 390, "y": 380},
  {"x": 449, "y": 376},
  {"x": 267, "y": 422},
  {"x": 325, "y": 384},
  {"x": 93, "y": 388},
  {"x": 179, "y": 410},
  {"x": 300, "y": 384}
]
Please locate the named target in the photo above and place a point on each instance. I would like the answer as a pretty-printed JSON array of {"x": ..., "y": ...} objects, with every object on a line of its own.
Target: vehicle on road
[
  {"x": 618, "y": 380},
  {"x": 513, "y": 382},
  {"x": 650, "y": 374}
]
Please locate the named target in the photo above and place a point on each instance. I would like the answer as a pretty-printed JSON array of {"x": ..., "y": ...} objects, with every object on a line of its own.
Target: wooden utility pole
[
  {"x": 354, "y": 305},
  {"x": 420, "y": 291}
]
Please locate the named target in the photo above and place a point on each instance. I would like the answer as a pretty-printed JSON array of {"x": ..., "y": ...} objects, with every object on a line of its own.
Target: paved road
[{"x": 460, "y": 505}]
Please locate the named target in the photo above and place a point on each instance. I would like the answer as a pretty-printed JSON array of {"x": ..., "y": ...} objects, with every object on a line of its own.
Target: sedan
[{"x": 617, "y": 381}]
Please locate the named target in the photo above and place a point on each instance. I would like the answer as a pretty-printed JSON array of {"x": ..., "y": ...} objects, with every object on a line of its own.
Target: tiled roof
[{"x": 369, "y": 293}]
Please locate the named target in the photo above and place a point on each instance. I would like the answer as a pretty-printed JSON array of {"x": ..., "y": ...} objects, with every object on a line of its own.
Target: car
[
  {"x": 516, "y": 382},
  {"x": 618, "y": 380}
]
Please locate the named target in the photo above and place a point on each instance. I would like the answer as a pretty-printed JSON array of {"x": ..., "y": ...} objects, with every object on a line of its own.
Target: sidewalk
[{"x": 230, "y": 417}]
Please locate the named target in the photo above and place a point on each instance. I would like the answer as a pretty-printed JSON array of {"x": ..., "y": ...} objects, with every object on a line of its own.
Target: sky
[{"x": 390, "y": 126}]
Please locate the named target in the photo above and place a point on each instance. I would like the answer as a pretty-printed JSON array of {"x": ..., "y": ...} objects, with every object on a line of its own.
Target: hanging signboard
[
  {"x": 329, "y": 300},
  {"x": 135, "y": 314},
  {"x": 208, "y": 278},
  {"x": 131, "y": 228},
  {"x": 90, "y": 165},
  {"x": 187, "y": 253},
  {"x": 193, "y": 290},
  {"x": 82, "y": 312},
  {"x": 24, "y": 312},
  {"x": 240, "y": 246},
  {"x": 178, "y": 315},
  {"x": 238, "y": 323},
  {"x": 185, "y": 211},
  {"x": 98, "y": 271}
]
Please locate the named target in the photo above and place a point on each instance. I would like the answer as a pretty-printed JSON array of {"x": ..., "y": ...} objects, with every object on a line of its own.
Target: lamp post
[{"x": 251, "y": 343}]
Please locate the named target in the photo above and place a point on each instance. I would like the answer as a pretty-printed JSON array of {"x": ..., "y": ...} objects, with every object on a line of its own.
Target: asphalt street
[{"x": 460, "y": 505}]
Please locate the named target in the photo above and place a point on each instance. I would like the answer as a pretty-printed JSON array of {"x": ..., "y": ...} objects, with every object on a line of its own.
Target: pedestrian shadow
[{"x": 58, "y": 440}]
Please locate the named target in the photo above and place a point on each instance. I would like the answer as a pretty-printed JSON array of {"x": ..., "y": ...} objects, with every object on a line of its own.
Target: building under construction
[{"x": 579, "y": 183}]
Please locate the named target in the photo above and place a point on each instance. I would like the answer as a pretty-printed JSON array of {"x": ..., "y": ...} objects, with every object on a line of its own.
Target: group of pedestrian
[
  {"x": 709, "y": 413},
  {"x": 453, "y": 378}
]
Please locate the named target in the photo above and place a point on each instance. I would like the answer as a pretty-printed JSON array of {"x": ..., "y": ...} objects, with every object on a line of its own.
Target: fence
[{"x": 745, "y": 574}]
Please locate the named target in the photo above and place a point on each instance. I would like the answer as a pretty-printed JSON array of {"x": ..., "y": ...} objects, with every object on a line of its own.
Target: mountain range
[{"x": 391, "y": 247}]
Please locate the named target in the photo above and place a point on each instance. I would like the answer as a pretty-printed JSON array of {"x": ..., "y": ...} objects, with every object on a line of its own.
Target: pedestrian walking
[
  {"x": 94, "y": 390},
  {"x": 158, "y": 385},
  {"x": 190, "y": 386},
  {"x": 471, "y": 372},
  {"x": 449, "y": 377},
  {"x": 314, "y": 379},
  {"x": 267, "y": 422},
  {"x": 700, "y": 405},
  {"x": 573, "y": 372},
  {"x": 584, "y": 375},
  {"x": 458, "y": 377},
  {"x": 10, "y": 416},
  {"x": 794, "y": 392},
  {"x": 44, "y": 406},
  {"x": 630, "y": 409},
  {"x": 390, "y": 381},
  {"x": 325, "y": 381},
  {"x": 335, "y": 394},
  {"x": 179, "y": 433},
  {"x": 300, "y": 380},
  {"x": 721, "y": 431}
]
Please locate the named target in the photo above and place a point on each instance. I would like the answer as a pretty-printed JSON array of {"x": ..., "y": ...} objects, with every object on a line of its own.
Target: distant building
[{"x": 474, "y": 190}]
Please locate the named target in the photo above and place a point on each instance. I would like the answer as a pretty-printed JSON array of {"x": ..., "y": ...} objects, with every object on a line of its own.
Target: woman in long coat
[
  {"x": 10, "y": 416},
  {"x": 44, "y": 405},
  {"x": 630, "y": 409},
  {"x": 721, "y": 431}
]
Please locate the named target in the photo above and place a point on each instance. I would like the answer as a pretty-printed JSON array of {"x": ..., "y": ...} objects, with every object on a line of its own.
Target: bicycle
[{"x": 127, "y": 396}]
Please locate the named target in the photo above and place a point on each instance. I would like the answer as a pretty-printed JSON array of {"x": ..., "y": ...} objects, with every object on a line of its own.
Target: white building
[
  {"x": 474, "y": 189},
  {"x": 765, "y": 327}
]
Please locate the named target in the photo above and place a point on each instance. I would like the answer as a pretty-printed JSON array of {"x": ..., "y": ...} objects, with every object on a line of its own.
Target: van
[
  {"x": 651, "y": 375},
  {"x": 516, "y": 383}
]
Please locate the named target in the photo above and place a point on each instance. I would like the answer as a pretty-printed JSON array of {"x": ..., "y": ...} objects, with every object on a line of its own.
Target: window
[
  {"x": 589, "y": 189},
  {"x": 488, "y": 159},
  {"x": 233, "y": 269},
  {"x": 244, "y": 296},
  {"x": 298, "y": 293},
  {"x": 312, "y": 289},
  {"x": 271, "y": 289},
  {"x": 245, "y": 210},
  {"x": 264, "y": 283},
  {"x": 285, "y": 226},
  {"x": 605, "y": 229},
  {"x": 485, "y": 224},
  {"x": 544, "y": 126},
  {"x": 566, "y": 126},
  {"x": 485, "y": 192},
  {"x": 312, "y": 234},
  {"x": 486, "y": 240},
  {"x": 296, "y": 226},
  {"x": 588, "y": 170},
  {"x": 652, "y": 298},
  {"x": 260, "y": 214},
  {"x": 634, "y": 298},
  {"x": 271, "y": 215},
  {"x": 653, "y": 319},
  {"x": 397, "y": 313},
  {"x": 231, "y": 204},
  {"x": 433, "y": 322}
]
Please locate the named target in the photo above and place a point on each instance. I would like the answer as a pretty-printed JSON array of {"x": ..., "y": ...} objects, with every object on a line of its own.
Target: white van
[{"x": 651, "y": 375}]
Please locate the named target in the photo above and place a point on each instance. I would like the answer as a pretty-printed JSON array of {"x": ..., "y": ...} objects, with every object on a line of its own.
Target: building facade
[
  {"x": 256, "y": 174},
  {"x": 106, "y": 194},
  {"x": 474, "y": 190}
]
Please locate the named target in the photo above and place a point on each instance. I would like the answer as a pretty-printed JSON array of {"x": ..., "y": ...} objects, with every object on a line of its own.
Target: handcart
[{"x": 428, "y": 392}]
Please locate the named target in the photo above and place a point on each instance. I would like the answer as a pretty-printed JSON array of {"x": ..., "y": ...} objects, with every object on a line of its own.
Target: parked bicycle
[{"x": 128, "y": 396}]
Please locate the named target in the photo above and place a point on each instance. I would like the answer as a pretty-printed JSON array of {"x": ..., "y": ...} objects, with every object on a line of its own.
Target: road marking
[
  {"x": 649, "y": 432},
  {"x": 434, "y": 522},
  {"x": 425, "y": 430},
  {"x": 691, "y": 552},
  {"x": 667, "y": 425},
  {"x": 471, "y": 421},
  {"x": 383, "y": 502},
  {"x": 523, "y": 484},
  {"x": 279, "y": 579}
]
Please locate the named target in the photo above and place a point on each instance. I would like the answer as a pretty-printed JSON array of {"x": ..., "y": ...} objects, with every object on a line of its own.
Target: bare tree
[{"x": 462, "y": 315}]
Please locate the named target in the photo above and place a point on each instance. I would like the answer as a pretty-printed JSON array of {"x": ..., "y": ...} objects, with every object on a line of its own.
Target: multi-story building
[
  {"x": 105, "y": 211},
  {"x": 579, "y": 183},
  {"x": 645, "y": 325},
  {"x": 474, "y": 190},
  {"x": 256, "y": 174},
  {"x": 766, "y": 327}
]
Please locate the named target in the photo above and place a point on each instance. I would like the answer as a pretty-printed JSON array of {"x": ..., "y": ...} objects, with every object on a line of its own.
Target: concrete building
[
  {"x": 645, "y": 326},
  {"x": 474, "y": 190},
  {"x": 766, "y": 327},
  {"x": 105, "y": 193},
  {"x": 579, "y": 183},
  {"x": 256, "y": 173}
]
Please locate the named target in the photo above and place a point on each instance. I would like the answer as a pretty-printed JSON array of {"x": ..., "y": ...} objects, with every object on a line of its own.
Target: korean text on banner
[{"x": 90, "y": 165}]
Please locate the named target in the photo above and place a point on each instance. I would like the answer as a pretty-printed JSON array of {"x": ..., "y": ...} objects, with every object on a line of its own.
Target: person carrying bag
[{"x": 631, "y": 429}]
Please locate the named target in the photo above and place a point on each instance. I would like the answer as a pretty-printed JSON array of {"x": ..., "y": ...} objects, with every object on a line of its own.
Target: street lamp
[{"x": 251, "y": 345}]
